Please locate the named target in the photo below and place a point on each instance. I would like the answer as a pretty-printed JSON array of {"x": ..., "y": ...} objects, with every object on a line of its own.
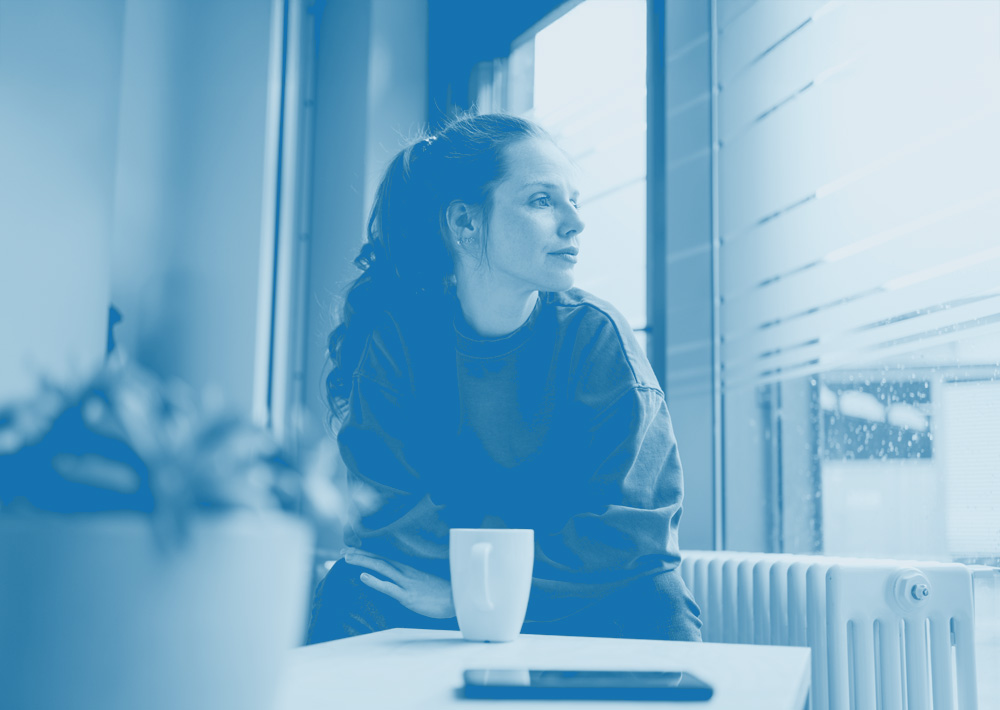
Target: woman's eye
[
  {"x": 576, "y": 205},
  {"x": 543, "y": 201}
]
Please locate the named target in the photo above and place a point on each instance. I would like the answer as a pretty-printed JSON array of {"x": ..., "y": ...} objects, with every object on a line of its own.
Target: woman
[{"x": 474, "y": 387}]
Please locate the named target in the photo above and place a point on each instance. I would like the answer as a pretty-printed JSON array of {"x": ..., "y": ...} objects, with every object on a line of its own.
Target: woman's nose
[{"x": 573, "y": 223}]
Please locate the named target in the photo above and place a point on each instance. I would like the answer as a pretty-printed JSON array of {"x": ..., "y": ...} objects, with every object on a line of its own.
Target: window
[
  {"x": 858, "y": 210},
  {"x": 582, "y": 76},
  {"x": 834, "y": 182}
]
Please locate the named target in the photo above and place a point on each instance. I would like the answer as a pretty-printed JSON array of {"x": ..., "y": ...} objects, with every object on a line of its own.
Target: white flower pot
[{"x": 93, "y": 614}]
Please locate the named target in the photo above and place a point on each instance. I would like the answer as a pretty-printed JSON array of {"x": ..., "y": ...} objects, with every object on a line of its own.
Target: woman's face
[{"x": 533, "y": 234}]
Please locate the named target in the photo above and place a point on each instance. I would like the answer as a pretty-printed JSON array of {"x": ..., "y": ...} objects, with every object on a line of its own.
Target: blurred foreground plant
[{"x": 126, "y": 440}]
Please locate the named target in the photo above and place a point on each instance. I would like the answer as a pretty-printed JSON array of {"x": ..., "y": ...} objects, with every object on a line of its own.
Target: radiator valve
[{"x": 910, "y": 589}]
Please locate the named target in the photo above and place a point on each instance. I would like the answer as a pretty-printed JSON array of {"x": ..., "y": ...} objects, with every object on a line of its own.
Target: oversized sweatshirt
[{"x": 560, "y": 427}]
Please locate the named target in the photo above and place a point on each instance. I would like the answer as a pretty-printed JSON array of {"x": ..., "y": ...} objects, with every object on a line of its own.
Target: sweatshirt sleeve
[
  {"x": 629, "y": 508},
  {"x": 376, "y": 442}
]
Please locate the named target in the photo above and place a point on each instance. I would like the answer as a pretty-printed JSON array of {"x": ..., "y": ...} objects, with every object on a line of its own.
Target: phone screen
[{"x": 584, "y": 685}]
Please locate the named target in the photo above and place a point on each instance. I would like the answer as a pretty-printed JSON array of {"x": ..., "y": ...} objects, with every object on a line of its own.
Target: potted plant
[{"x": 155, "y": 550}]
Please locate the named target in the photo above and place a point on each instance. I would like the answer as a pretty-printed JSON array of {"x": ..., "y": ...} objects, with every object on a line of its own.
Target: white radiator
[{"x": 884, "y": 634}]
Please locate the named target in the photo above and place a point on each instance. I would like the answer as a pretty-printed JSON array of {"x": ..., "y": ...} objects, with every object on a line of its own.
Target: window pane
[
  {"x": 589, "y": 92},
  {"x": 900, "y": 459},
  {"x": 858, "y": 209}
]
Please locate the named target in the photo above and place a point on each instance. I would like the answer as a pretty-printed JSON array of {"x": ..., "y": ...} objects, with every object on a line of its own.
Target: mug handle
[{"x": 481, "y": 554}]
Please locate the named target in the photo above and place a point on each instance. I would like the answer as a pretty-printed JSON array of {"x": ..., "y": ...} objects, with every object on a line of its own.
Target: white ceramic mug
[{"x": 491, "y": 580}]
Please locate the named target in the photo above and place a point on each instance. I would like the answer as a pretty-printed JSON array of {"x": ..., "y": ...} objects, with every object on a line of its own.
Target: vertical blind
[{"x": 859, "y": 180}]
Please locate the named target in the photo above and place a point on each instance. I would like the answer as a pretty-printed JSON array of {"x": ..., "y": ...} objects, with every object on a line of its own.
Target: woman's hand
[{"x": 418, "y": 591}]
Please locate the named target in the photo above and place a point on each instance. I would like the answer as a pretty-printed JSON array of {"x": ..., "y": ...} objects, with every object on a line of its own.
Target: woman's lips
[{"x": 567, "y": 254}]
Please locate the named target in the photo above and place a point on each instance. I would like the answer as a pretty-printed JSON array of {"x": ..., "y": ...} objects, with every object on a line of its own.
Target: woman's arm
[
  {"x": 630, "y": 508},
  {"x": 405, "y": 539},
  {"x": 375, "y": 441},
  {"x": 405, "y": 534}
]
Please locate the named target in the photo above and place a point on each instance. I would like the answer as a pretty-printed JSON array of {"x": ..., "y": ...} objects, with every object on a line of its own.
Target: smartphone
[{"x": 506, "y": 684}]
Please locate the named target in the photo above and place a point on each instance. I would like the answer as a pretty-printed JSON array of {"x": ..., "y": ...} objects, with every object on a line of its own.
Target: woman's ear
[{"x": 464, "y": 223}]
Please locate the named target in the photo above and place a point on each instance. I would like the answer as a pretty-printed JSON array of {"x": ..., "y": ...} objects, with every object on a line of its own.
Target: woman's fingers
[
  {"x": 418, "y": 591},
  {"x": 375, "y": 564},
  {"x": 399, "y": 566},
  {"x": 381, "y": 585}
]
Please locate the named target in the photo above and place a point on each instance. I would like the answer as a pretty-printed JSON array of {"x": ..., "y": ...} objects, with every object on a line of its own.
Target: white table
[{"x": 411, "y": 668}]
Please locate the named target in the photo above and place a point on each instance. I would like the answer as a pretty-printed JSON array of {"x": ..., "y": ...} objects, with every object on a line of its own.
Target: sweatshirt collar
[{"x": 471, "y": 343}]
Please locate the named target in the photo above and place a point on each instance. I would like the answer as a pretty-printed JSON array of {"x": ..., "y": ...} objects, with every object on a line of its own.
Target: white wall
[
  {"x": 190, "y": 188},
  {"x": 397, "y": 83},
  {"x": 59, "y": 70},
  {"x": 131, "y": 172},
  {"x": 371, "y": 95}
]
